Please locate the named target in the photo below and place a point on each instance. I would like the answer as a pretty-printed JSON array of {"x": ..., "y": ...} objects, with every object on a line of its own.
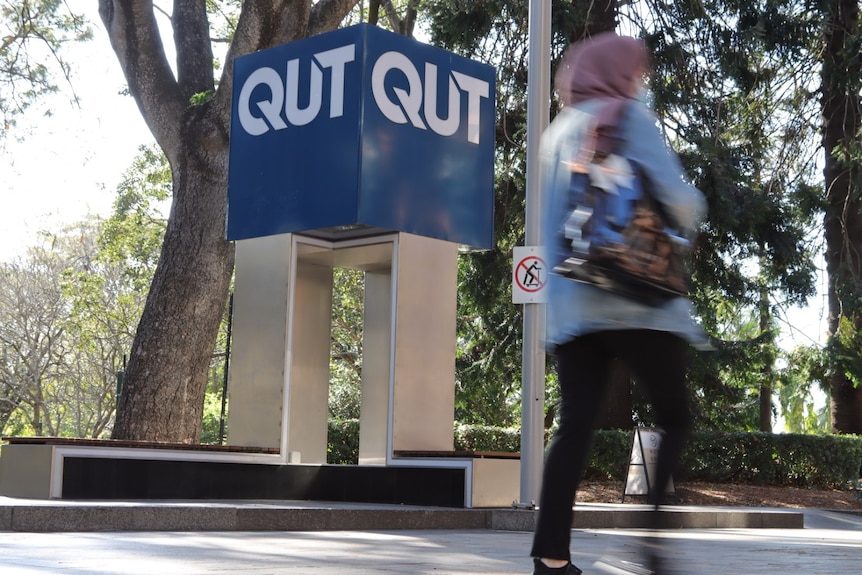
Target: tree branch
[
  {"x": 134, "y": 36},
  {"x": 194, "y": 50},
  {"x": 403, "y": 26},
  {"x": 373, "y": 12},
  {"x": 328, "y": 14}
]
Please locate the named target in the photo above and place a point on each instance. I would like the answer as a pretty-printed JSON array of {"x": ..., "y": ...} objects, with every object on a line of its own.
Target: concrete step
[{"x": 28, "y": 515}]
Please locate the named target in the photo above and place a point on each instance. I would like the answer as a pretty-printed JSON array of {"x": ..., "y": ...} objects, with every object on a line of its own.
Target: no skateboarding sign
[{"x": 529, "y": 275}]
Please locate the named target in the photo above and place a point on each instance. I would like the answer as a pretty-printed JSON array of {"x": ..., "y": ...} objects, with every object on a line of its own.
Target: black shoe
[{"x": 540, "y": 568}]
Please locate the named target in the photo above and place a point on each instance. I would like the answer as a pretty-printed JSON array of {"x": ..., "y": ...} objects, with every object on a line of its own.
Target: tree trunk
[
  {"x": 843, "y": 221},
  {"x": 165, "y": 380},
  {"x": 166, "y": 377}
]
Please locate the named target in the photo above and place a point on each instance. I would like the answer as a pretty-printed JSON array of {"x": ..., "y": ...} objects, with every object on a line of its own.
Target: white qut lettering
[
  {"x": 284, "y": 92},
  {"x": 410, "y": 100},
  {"x": 420, "y": 97},
  {"x": 417, "y": 104},
  {"x": 336, "y": 59},
  {"x": 476, "y": 89},
  {"x": 450, "y": 125},
  {"x": 296, "y": 115},
  {"x": 271, "y": 109}
]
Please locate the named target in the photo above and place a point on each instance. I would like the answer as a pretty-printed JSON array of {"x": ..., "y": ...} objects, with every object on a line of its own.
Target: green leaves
[
  {"x": 201, "y": 98},
  {"x": 75, "y": 301},
  {"x": 134, "y": 232},
  {"x": 32, "y": 36},
  {"x": 345, "y": 363},
  {"x": 734, "y": 100}
]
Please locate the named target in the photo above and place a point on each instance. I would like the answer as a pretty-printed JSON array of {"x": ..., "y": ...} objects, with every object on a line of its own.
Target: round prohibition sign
[{"x": 531, "y": 274}]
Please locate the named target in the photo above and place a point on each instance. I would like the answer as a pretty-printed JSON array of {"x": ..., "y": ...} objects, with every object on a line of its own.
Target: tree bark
[
  {"x": 162, "y": 398},
  {"x": 843, "y": 221},
  {"x": 165, "y": 380}
]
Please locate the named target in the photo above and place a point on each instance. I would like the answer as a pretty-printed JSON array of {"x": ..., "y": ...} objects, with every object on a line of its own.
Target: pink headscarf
[{"x": 602, "y": 67}]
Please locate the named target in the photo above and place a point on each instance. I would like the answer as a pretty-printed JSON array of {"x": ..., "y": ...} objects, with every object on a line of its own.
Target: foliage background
[{"x": 733, "y": 91}]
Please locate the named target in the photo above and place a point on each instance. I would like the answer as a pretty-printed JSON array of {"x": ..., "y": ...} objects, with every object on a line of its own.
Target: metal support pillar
[{"x": 533, "y": 366}]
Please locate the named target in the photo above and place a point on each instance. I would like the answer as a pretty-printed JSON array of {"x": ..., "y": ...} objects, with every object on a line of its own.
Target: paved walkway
[{"x": 830, "y": 544}]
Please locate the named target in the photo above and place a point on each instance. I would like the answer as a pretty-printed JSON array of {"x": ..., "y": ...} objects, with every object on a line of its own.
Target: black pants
[{"x": 658, "y": 361}]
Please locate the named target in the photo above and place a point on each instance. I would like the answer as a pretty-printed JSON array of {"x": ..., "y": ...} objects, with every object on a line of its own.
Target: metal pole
[
  {"x": 533, "y": 363},
  {"x": 226, "y": 369},
  {"x": 121, "y": 374}
]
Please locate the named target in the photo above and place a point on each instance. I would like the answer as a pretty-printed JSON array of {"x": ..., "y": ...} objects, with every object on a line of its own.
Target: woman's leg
[
  {"x": 582, "y": 367},
  {"x": 659, "y": 362}
]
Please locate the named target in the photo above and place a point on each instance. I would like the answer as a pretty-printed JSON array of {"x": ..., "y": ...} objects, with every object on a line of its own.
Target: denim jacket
[{"x": 575, "y": 308}]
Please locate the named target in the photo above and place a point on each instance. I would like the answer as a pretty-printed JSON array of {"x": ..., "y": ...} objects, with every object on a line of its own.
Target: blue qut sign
[{"x": 362, "y": 128}]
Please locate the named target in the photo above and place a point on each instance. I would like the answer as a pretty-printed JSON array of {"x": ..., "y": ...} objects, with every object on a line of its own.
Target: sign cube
[{"x": 362, "y": 130}]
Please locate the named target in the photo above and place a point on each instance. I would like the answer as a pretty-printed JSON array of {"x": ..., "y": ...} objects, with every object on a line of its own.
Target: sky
[{"x": 60, "y": 168}]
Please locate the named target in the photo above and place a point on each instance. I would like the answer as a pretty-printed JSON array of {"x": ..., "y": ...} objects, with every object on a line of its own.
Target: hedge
[
  {"x": 342, "y": 446},
  {"x": 812, "y": 461},
  {"x": 823, "y": 461}
]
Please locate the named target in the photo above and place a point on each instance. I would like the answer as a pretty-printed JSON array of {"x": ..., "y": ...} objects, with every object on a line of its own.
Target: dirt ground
[{"x": 696, "y": 493}]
